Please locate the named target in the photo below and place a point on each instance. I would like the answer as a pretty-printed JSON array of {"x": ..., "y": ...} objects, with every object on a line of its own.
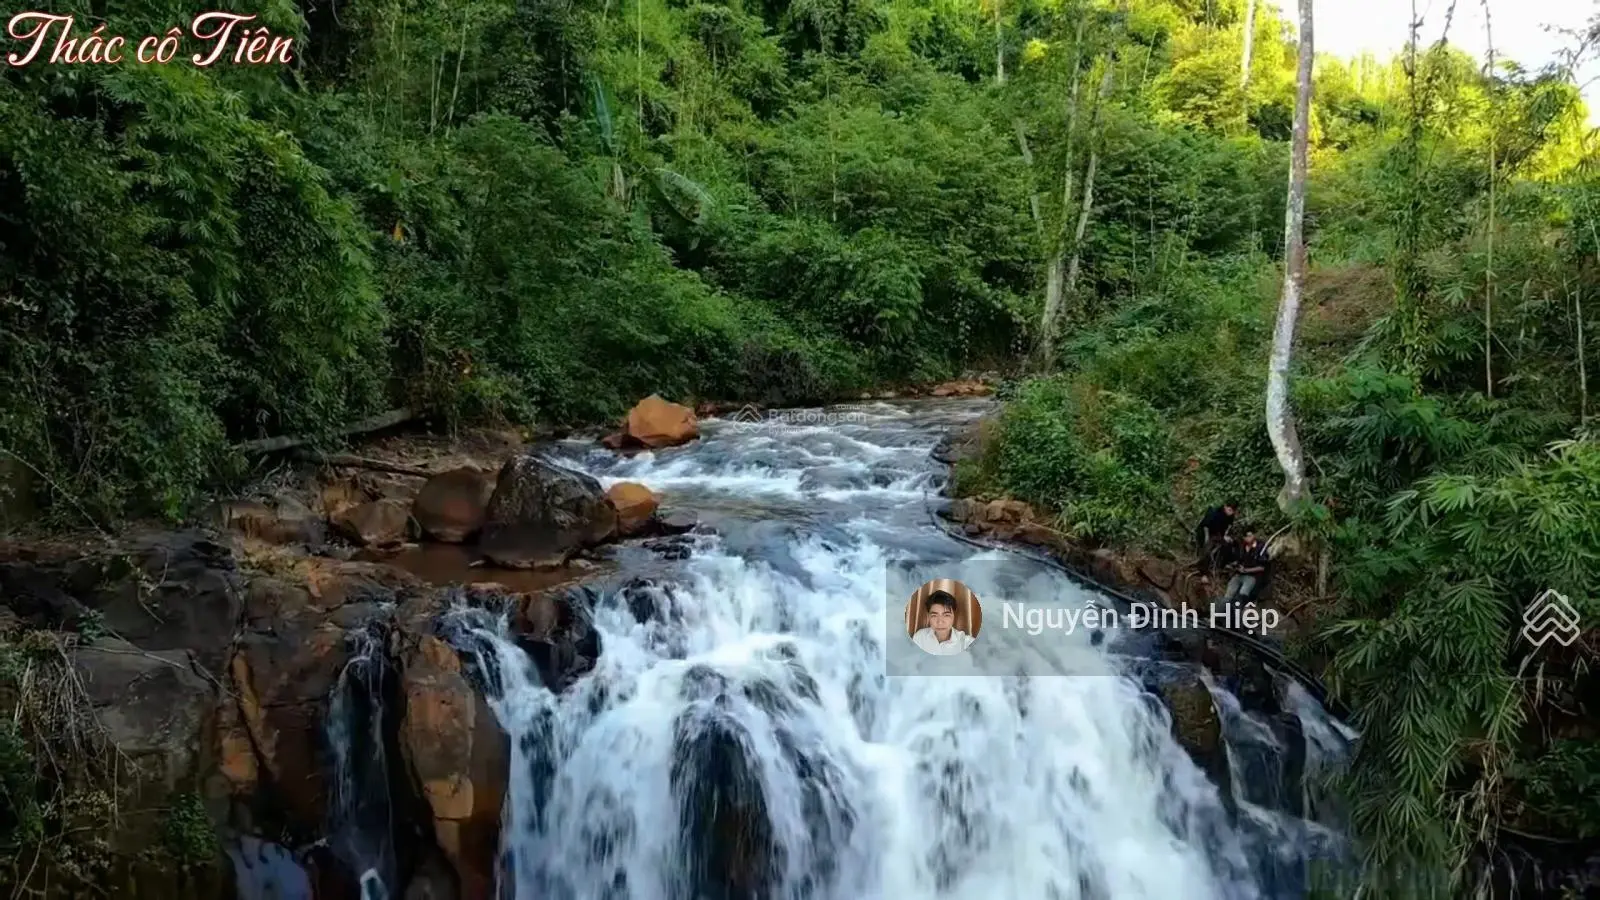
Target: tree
[
  {"x": 1249, "y": 44},
  {"x": 1280, "y": 416}
]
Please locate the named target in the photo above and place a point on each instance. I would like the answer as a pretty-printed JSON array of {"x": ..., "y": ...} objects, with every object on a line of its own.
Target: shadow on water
[{"x": 447, "y": 564}]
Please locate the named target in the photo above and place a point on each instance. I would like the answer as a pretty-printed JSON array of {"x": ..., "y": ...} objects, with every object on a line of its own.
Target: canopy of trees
[{"x": 541, "y": 211}]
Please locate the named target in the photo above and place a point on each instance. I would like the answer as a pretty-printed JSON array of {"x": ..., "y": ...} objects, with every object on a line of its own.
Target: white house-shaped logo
[
  {"x": 747, "y": 413},
  {"x": 1551, "y": 617}
]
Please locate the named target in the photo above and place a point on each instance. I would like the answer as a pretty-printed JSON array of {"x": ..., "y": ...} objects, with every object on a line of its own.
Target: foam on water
[{"x": 743, "y": 740}]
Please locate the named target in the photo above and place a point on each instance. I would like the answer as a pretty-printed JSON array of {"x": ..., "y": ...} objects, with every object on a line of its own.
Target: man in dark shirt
[
  {"x": 1211, "y": 533},
  {"x": 1253, "y": 562}
]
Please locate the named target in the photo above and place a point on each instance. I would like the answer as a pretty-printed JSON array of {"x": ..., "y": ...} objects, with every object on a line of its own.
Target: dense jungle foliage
[{"x": 541, "y": 211}]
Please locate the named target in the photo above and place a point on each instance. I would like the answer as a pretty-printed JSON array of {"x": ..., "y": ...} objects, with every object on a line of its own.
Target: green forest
[{"x": 503, "y": 212}]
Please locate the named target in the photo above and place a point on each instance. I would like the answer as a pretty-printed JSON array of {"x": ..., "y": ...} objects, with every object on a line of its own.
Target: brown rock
[
  {"x": 1008, "y": 511},
  {"x": 236, "y": 755},
  {"x": 281, "y": 685},
  {"x": 460, "y": 756},
  {"x": 451, "y": 505},
  {"x": 614, "y": 441},
  {"x": 337, "y": 496},
  {"x": 1037, "y": 535},
  {"x": 542, "y": 513},
  {"x": 1162, "y": 573},
  {"x": 282, "y": 521},
  {"x": 962, "y": 388},
  {"x": 1103, "y": 566},
  {"x": 635, "y": 504},
  {"x": 655, "y": 422},
  {"x": 376, "y": 523}
]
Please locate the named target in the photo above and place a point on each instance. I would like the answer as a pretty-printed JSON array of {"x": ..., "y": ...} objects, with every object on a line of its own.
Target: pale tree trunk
[
  {"x": 1249, "y": 43},
  {"x": 1056, "y": 274},
  {"x": 1583, "y": 371},
  {"x": 1086, "y": 209},
  {"x": 1488, "y": 274},
  {"x": 1064, "y": 283},
  {"x": 1027, "y": 160},
  {"x": 999, "y": 47},
  {"x": 1280, "y": 417}
]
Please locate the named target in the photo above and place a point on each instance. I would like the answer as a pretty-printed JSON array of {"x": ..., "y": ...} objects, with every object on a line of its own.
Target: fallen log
[
  {"x": 378, "y": 422},
  {"x": 347, "y": 461}
]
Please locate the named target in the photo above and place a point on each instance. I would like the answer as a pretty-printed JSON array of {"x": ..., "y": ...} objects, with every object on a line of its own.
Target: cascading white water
[
  {"x": 360, "y": 817},
  {"x": 740, "y": 738}
]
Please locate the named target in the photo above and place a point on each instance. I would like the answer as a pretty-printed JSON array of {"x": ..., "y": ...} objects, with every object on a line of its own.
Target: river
[{"x": 741, "y": 737}]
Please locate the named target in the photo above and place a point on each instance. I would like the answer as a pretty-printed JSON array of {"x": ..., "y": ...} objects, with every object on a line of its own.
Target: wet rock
[
  {"x": 460, "y": 756},
  {"x": 616, "y": 440},
  {"x": 555, "y": 630},
  {"x": 677, "y": 522},
  {"x": 451, "y": 505},
  {"x": 267, "y": 871},
  {"x": 433, "y": 880},
  {"x": 541, "y": 513},
  {"x": 281, "y": 685},
  {"x": 674, "y": 547},
  {"x": 966, "y": 444},
  {"x": 961, "y": 509},
  {"x": 376, "y": 523},
  {"x": 635, "y": 504},
  {"x": 1197, "y": 727},
  {"x": 655, "y": 422},
  {"x": 728, "y": 839}
]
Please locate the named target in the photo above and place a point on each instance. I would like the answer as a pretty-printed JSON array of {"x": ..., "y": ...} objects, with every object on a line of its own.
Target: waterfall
[
  {"x": 360, "y": 813},
  {"x": 740, "y": 737}
]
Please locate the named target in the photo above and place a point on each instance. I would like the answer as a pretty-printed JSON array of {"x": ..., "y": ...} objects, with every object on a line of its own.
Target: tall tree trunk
[
  {"x": 1056, "y": 274},
  {"x": 1249, "y": 44},
  {"x": 999, "y": 48},
  {"x": 1583, "y": 371},
  {"x": 1488, "y": 273},
  {"x": 1065, "y": 282},
  {"x": 1086, "y": 208},
  {"x": 1280, "y": 417},
  {"x": 1027, "y": 160}
]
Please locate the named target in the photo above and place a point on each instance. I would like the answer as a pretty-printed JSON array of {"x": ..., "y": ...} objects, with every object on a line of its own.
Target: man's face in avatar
[{"x": 941, "y": 619}]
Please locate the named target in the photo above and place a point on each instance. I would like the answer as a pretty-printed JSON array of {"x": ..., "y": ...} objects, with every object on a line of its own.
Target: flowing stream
[{"x": 739, "y": 737}]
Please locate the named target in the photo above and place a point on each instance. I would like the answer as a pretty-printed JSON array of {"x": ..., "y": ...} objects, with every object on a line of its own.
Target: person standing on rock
[
  {"x": 940, "y": 636},
  {"x": 1211, "y": 535}
]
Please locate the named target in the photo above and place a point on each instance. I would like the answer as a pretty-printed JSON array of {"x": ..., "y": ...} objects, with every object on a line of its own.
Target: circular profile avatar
[{"x": 943, "y": 617}]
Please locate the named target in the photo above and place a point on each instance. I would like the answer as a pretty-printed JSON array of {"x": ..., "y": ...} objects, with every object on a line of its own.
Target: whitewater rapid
[{"x": 743, "y": 740}]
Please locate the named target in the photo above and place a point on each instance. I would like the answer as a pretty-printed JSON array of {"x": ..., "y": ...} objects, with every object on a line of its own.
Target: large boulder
[
  {"x": 654, "y": 422},
  {"x": 284, "y": 665},
  {"x": 451, "y": 506},
  {"x": 541, "y": 513},
  {"x": 635, "y": 505},
  {"x": 280, "y": 520},
  {"x": 1198, "y": 729},
  {"x": 461, "y": 758},
  {"x": 152, "y": 708},
  {"x": 375, "y": 523},
  {"x": 162, "y": 591}
]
